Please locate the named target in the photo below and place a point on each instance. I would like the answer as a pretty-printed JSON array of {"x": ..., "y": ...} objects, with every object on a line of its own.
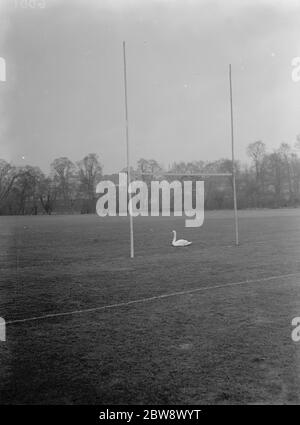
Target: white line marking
[{"x": 143, "y": 300}]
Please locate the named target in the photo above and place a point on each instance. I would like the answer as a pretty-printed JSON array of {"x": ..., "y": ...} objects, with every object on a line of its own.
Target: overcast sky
[{"x": 64, "y": 94}]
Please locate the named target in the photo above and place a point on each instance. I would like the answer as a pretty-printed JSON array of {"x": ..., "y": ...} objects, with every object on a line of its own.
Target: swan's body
[{"x": 179, "y": 242}]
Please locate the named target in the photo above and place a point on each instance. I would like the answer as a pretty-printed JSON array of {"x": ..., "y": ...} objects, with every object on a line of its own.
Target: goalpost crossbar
[{"x": 185, "y": 174}]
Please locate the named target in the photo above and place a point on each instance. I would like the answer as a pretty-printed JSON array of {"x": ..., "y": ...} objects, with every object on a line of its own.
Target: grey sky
[{"x": 64, "y": 94}]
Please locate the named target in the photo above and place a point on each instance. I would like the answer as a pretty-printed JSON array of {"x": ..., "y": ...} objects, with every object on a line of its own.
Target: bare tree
[
  {"x": 89, "y": 174},
  {"x": 295, "y": 166},
  {"x": 63, "y": 171},
  {"x": 257, "y": 152},
  {"x": 26, "y": 185},
  {"x": 285, "y": 153},
  {"x": 8, "y": 175},
  {"x": 149, "y": 166},
  {"x": 47, "y": 191},
  {"x": 275, "y": 175}
]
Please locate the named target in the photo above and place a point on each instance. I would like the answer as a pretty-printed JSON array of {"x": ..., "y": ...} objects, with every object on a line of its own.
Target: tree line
[
  {"x": 269, "y": 180},
  {"x": 68, "y": 188}
]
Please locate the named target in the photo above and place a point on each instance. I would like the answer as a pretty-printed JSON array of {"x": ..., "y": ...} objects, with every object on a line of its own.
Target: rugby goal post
[{"x": 232, "y": 174}]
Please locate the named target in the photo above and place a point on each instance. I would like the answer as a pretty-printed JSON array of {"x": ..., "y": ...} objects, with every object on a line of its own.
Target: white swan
[{"x": 180, "y": 242}]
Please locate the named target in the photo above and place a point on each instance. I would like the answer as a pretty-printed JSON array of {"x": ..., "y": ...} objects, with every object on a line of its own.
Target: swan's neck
[{"x": 174, "y": 235}]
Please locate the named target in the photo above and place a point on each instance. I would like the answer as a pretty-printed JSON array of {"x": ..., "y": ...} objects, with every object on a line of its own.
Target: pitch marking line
[{"x": 156, "y": 297}]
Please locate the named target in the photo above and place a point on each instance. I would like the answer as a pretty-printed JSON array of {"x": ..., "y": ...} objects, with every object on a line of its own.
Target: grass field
[{"x": 207, "y": 342}]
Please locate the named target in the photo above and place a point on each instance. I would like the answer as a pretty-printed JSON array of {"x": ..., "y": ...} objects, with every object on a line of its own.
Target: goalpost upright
[
  {"x": 236, "y": 225},
  {"x": 233, "y": 173},
  {"x": 127, "y": 150}
]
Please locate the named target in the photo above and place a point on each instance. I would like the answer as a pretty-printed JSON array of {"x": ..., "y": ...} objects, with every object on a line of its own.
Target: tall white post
[
  {"x": 233, "y": 165},
  {"x": 2, "y": 69},
  {"x": 128, "y": 152}
]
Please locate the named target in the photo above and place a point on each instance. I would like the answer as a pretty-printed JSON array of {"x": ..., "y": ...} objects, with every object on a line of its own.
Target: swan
[{"x": 180, "y": 242}]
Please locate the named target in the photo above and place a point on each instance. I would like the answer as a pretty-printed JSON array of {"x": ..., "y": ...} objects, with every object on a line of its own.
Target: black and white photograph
[{"x": 149, "y": 206}]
